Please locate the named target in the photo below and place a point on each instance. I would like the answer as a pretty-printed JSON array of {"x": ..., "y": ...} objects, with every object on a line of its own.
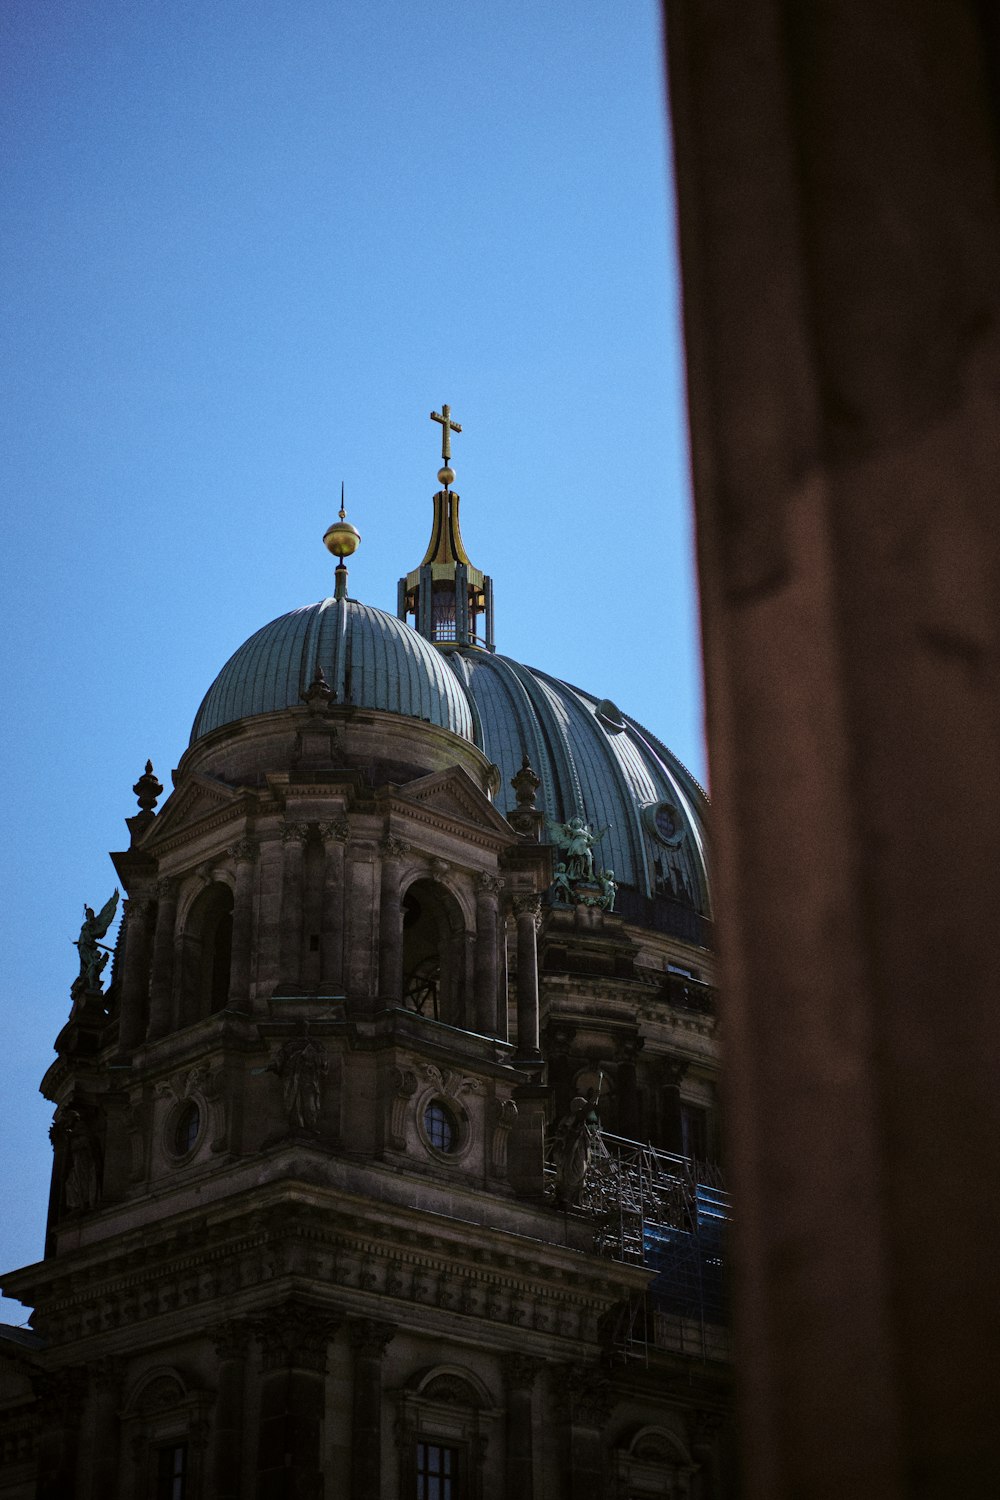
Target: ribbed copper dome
[{"x": 369, "y": 659}]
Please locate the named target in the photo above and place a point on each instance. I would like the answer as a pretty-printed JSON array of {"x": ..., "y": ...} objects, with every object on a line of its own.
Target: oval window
[
  {"x": 187, "y": 1126},
  {"x": 441, "y": 1126}
]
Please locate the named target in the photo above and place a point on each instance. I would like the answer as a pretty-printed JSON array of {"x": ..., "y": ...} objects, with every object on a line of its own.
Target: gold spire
[{"x": 446, "y": 474}]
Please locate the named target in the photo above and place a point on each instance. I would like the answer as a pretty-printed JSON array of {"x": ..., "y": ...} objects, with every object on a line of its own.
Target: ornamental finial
[
  {"x": 446, "y": 474},
  {"x": 343, "y": 540}
]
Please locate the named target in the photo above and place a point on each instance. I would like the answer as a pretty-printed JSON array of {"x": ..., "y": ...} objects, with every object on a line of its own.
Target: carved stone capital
[
  {"x": 295, "y": 1336},
  {"x": 335, "y": 831},
  {"x": 582, "y": 1395},
  {"x": 105, "y": 1375},
  {"x": 137, "y": 908},
  {"x": 166, "y": 888},
  {"x": 244, "y": 851},
  {"x": 489, "y": 885},
  {"x": 528, "y": 903},
  {"x": 231, "y": 1339},
  {"x": 370, "y": 1337},
  {"x": 671, "y": 1071},
  {"x": 706, "y": 1426},
  {"x": 295, "y": 833},
  {"x": 394, "y": 848},
  {"x": 519, "y": 1371}
]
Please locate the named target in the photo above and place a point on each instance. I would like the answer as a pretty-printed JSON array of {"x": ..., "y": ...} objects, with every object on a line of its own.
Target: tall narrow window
[
  {"x": 171, "y": 1472},
  {"x": 437, "y": 1472}
]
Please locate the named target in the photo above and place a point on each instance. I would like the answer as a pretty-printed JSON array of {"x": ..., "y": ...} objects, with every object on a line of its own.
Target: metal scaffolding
[{"x": 667, "y": 1213}]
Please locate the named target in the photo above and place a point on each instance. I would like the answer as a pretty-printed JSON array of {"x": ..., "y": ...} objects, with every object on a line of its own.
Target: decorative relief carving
[
  {"x": 504, "y": 1115},
  {"x": 404, "y": 1085},
  {"x": 392, "y": 847},
  {"x": 295, "y": 833},
  {"x": 244, "y": 851},
  {"x": 490, "y": 885},
  {"x": 451, "y": 1083}
]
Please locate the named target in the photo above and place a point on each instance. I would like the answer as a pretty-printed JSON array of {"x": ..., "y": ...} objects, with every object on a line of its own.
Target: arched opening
[
  {"x": 207, "y": 954},
  {"x": 434, "y": 956}
]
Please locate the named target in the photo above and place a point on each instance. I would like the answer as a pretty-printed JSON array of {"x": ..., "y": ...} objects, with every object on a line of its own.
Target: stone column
[
  {"x": 390, "y": 922},
  {"x": 519, "y": 1372},
  {"x": 104, "y": 1379},
  {"x": 244, "y": 855},
  {"x": 527, "y": 910},
  {"x": 361, "y": 922},
  {"x": 293, "y": 838},
  {"x": 487, "y": 1017},
  {"x": 267, "y": 938},
  {"x": 133, "y": 1018},
  {"x": 161, "y": 988},
  {"x": 582, "y": 1400},
  {"x": 293, "y": 1340},
  {"x": 369, "y": 1341},
  {"x": 629, "y": 1113},
  {"x": 231, "y": 1344},
  {"x": 61, "y": 1394},
  {"x": 334, "y": 835},
  {"x": 670, "y": 1072}
]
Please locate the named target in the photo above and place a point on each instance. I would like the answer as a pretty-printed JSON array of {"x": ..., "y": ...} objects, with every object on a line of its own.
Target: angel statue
[
  {"x": 93, "y": 954},
  {"x": 576, "y": 842}
]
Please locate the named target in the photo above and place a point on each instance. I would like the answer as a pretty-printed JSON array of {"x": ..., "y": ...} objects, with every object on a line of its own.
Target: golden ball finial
[
  {"x": 446, "y": 476},
  {"x": 342, "y": 539}
]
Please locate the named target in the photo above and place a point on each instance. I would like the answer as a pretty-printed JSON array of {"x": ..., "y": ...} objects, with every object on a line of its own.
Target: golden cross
[{"x": 448, "y": 427}]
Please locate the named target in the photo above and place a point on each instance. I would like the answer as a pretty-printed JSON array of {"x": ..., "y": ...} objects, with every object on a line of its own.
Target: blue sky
[{"x": 246, "y": 247}]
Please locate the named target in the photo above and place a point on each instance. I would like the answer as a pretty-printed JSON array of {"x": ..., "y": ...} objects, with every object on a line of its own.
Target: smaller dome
[{"x": 370, "y": 659}]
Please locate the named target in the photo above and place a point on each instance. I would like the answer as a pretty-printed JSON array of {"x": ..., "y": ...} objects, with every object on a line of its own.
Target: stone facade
[{"x": 302, "y": 1239}]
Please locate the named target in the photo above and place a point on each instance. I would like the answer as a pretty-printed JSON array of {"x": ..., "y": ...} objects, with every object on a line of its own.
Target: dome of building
[
  {"x": 369, "y": 658},
  {"x": 592, "y": 761}
]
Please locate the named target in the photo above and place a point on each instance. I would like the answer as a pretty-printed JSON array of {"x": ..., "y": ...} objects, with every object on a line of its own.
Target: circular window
[
  {"x": 665, "y": 823},
  {"x": 441, "y": 1126},
  {"x": 186, "y": 1129}
]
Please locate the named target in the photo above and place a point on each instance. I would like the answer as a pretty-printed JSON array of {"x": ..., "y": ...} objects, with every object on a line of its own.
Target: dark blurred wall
[{"x": 837, "y": 176}]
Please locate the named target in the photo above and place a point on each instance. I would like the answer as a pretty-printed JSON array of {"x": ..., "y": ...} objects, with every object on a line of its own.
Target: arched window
[
  {"x": 445, "y": 1423},
  {"x": 207, "y": 954},
  {"x": 434, "y": 953}
]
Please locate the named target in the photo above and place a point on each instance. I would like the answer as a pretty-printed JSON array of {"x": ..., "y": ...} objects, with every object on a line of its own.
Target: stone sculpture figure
[
  {"x": 301, "y": 1064},
  {"x": 562, "y": 889},
  {"x": 609, "y": 889},
  {"x": 80, "y": 1184},
  {"x": 577, "y": 1137},
  {"x": 93, "y": 955}
]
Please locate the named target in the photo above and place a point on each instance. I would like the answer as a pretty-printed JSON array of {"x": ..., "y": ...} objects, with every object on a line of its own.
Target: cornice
[{"x": 401, "y": 1266}]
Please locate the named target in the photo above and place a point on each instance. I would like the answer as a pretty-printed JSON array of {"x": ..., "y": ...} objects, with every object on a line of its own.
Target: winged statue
[
  {"x": 577, "y": 842},
  {"x": 93, "y": 954}
]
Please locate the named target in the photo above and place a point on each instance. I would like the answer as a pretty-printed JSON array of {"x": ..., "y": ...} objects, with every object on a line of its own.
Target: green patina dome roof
[{"x": 369, "y": 658}]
